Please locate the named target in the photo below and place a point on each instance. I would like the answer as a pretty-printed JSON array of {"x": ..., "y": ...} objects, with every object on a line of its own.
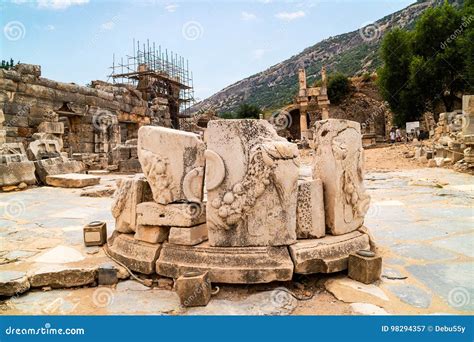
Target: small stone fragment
[{"x": 194, "y": 289}]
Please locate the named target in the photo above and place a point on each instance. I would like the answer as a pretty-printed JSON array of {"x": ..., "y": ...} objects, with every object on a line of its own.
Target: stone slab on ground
[
  {"x": 411, "y": 295},
  {"x": 13, "y": 283},
  {"x": 234, "y": 265},
  {"x": 60, "y": 255},
  {"x": 56, "y": 166},
  {"x": 326, "y": 255},
  {"x": 61, "y": 276},
  {"x": 188, "y": 236},
  {"x": 351, "y": 291},
  {"x": 72, "y": 180},
  {"x": 137, "y": 255}
]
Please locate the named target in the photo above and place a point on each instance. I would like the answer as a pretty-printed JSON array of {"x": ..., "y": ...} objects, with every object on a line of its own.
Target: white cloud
[
  {"x": 108, "y": 25},
  {"x": 171, "y": 7},
  {"x": 258, "y": 53},
  {"x": 289, "y": 16},
  {"x": 50, "y": 28},
  {"x": 246, "y": 16},
  {"x": 59, "y": 4}
]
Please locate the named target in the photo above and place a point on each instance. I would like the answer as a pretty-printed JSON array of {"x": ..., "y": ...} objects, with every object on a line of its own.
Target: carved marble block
[
  {"x": 310, "y": 210},
  {"x": 338, "y": 163},
  {"x": 130, "y": 192},
  {"x": 251, "y": 182},
  {"x": 173, "y": 163}
]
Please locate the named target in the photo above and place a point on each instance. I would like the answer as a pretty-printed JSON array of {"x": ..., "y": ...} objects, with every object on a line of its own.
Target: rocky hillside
[{"x": 352, "y": 53}]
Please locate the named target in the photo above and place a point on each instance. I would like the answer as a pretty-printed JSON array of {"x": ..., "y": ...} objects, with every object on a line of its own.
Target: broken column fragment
[
  {"x": 338, "y": 162},
  {"x": 310, "y": 210},
  {"x": 173, "y": 163},
  {"x": 251, "y": 181},
  {"x": 130, "y": 192}
]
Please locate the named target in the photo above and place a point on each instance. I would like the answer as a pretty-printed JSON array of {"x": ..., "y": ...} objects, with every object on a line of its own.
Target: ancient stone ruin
[{"x": 239, "y": 206}]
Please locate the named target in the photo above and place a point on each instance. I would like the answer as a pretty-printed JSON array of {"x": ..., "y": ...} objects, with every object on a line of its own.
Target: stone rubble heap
[
  {"x": 452, "y": 138},
  {"x": 239, "y": 205}
]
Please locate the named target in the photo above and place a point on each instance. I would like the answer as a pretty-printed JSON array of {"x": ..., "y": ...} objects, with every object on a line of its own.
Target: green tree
[
  {"x": 247, "y": 111},
  {"x": 431, "y": 64},
  {"x": 339, "y": 87}
]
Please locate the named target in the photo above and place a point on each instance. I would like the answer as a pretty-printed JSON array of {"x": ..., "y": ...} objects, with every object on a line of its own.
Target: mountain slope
[{"x": 351, "y": 53}]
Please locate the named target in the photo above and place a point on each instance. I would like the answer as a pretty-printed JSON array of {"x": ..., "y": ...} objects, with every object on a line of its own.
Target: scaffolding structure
[{"x": 168, "y": 72}]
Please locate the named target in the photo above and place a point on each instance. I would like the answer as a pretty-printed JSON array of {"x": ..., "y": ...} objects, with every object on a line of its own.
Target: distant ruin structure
[{"x": 311, "y": 104}]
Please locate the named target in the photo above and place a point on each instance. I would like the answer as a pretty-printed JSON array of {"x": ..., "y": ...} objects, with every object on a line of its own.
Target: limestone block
[
  {"x": 328, "y": 254},
  {"x": 152, "y": 234},
  {"x": 137, "y": 255},
  {"x": 188, "y": 236},
  {"x": 60, "y": 276},
  {"x": 251, "y": 182},
  {"x": 310, "y": 210},
  {"x": 59, "y": 166},
  {"x": 72, "y": 180},
  {"x": 468, "y": 119},
  {"x": 173, "y": 162},
  {"x": 231, "y": 265},
  {"x": 338, "y": 162},
  {"x": 130, "y": 192},
  {"x": 3, "y": 136},
  {"x": 17, "y": 172},
  {"x": 366, "y": 269},
  {"x": 30, "y": 69},
  {"x": 51, "y": 127},
  {"x": 43, "y": 149},
  {"x": 194, "y": 289},
  {"x": 172, "y": 215},
  {"x": 13, "y": 283}
]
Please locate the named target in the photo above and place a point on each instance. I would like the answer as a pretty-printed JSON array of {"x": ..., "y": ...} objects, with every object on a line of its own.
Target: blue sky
[{"x": 225, "y": 41}]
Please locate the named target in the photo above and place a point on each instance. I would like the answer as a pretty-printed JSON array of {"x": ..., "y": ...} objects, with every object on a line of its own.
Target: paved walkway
[{"x": 422, "y": 220}]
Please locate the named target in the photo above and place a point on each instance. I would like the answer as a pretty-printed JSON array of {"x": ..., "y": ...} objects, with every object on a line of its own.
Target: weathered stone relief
[
  {"x": 251, "y": 179},
  {"x": 173, "y": 162},
  {"x": 339, "y": 164}
]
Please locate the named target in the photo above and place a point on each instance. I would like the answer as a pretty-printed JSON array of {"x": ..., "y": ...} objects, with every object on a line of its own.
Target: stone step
[
  {"x": 328, "y": 254},
  {"x": 232, "y": 265}
]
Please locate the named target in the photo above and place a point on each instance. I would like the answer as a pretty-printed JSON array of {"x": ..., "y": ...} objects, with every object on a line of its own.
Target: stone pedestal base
[
  {"x": 137, "y": 255},
  {"x": 326, "y": 255},
  {"x": 232, "y": 265}
]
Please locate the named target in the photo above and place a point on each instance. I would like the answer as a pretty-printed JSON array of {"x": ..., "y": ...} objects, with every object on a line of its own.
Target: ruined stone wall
[{"x": 89, "y": 122}]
